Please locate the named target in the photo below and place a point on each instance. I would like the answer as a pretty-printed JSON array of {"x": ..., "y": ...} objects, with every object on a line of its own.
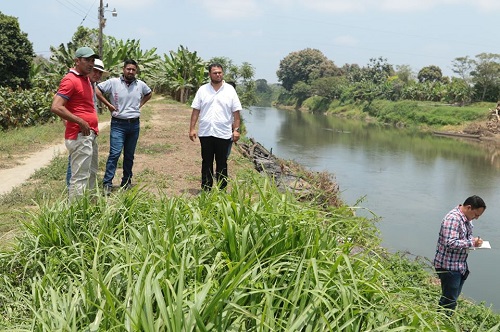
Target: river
[{"x": 409, "y": 179}]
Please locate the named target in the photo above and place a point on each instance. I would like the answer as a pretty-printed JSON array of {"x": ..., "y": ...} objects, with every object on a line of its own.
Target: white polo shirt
[
  {"x": 216, "y": 110},
  {"x": 125, "y": 97}
]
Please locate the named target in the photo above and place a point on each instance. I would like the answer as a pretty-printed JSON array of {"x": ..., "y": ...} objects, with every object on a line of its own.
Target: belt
[{"x": 126, "y": 120}]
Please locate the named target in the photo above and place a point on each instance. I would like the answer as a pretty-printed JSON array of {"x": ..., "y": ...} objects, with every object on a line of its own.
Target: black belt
[{"x": 126, "y": 120}]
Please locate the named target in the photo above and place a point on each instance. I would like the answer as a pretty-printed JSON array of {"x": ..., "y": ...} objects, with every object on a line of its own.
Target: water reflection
[{"x": 410, "y": 179}]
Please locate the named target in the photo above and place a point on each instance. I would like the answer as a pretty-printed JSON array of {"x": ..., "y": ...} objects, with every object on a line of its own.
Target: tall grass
[{"x": 252, "y": 259}]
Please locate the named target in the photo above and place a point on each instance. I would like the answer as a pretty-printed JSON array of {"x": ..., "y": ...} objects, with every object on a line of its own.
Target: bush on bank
[
  {"x": 405, "y": 112},
  {"x": 252, "y": 258}
]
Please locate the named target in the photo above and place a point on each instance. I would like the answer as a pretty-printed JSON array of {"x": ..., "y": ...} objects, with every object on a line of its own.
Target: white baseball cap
[{"x": 99, "y": 65}]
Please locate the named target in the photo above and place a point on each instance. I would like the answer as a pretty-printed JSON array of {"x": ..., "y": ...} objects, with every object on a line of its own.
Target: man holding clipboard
[{"x": 454, "y": 241}]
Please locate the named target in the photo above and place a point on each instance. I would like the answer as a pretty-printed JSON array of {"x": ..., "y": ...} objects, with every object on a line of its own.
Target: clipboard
[{"x": 485, "y": 245}]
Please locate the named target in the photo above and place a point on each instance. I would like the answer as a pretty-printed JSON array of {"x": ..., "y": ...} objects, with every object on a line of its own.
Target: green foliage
[
  {"x": 377, "y": 70},
  {"x": 316, "y": 104},
  {"x": 246, "y": 84},
  {"x": 22, "y": 108},
  {"x": 430, "y": 74},
  {"x": 63, "y": 57},
  {"x": 241, "y": 76},
  {"x": 458, "y": 92},
  {"x": 330, "y": 87},
  {"x": 415, "y": 113},
  {"x": 301, "y": 91},
  {"x": 253, "y": 259},
  {"x": 405, "y": 73},
  {"x": 16, "y": 54},
  {"x": 266, "y": 95},
  {"x": 115, "y": 52},
  {"x": 286, "y": 98},
  {"x": 180, "y": 74},
  {"x": 305, "y": 66},
  {"x": 486, "y": 77}
]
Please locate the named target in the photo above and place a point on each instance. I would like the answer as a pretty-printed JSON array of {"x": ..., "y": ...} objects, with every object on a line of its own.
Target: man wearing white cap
[{"x": 74, "y": 102}]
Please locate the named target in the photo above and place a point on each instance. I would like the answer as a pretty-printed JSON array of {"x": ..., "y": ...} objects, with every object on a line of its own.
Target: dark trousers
[
  {"x": 451, "y": 286},
  {"x": 214, "y": 148}
]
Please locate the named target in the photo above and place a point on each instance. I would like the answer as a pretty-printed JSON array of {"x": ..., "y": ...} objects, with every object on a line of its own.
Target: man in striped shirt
[{"x": 454, "y": 241}]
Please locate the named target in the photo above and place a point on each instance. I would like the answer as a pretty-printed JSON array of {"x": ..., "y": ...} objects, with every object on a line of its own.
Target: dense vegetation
[
  {"x": 308, "y": 73},
  {"x": 250, "y": 259}
]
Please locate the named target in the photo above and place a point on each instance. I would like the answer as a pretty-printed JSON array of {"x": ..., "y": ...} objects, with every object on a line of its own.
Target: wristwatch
[{"x": 237, "y": 129}]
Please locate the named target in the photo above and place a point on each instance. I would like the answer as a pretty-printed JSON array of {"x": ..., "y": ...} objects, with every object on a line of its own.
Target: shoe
[
  {"x": 107, "y": 189},
  {"x": 127, "y": 186}
]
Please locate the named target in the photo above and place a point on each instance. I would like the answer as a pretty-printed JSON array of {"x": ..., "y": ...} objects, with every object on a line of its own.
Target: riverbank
[{"x": 477, "y": 121}]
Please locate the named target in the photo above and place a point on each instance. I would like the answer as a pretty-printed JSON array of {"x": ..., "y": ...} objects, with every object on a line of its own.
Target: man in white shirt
[{"x": 217, "y": 107}]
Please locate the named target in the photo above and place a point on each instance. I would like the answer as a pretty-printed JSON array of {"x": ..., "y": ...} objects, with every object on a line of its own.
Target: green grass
[
  {"x": 413, "y": 113},
  {"x": 251, "y": 259}
]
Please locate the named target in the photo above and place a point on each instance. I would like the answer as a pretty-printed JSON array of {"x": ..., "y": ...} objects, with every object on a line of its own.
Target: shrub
[{"x": 23, "y": 108}]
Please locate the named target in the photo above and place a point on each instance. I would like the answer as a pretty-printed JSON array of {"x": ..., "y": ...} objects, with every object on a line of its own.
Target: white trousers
[{"x": 84, "y": 162}]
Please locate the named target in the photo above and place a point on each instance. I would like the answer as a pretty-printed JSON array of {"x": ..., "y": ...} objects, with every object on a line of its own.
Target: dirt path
[
  {"x": 16, "y": 176},
  {"x": 166, "y": 160}
]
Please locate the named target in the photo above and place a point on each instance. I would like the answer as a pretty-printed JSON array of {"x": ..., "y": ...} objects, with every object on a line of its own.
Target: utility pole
[
  {"x": 102, "y": 22},
  {"x": 101, "y": 26}
]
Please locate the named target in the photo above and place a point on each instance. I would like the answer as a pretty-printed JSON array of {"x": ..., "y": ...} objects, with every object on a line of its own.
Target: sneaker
[{"x": 107, "y": 189}]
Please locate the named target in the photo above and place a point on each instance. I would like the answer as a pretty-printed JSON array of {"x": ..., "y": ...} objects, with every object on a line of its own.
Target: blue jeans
[
  {"x": 214, "y": 148},
  {"x": 123, "y": 136},
  {"x": 451, "y": 286}
]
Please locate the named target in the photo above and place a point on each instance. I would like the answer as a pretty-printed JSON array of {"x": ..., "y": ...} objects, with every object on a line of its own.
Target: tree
[
  {"x": 486, "y": 76},
  {"x": 186, "y": 72},
  {"x": 463, "y": 66},
  {"x": 16, "y": 54},
  {"x": 405, "y": 73},
  {"x": 430, "y": 74},
  {"x": 261, "y": 86},
  {"x": 63, "y": 55},
  {"x": 458, "y": 92},
  {"x": 301, "y": 91},
  {"x": 246, "y": 82},
  {"x": 304, "y": 66},
  {"x": 329, "y": 87},
  {"x": 377, "y": 70}
]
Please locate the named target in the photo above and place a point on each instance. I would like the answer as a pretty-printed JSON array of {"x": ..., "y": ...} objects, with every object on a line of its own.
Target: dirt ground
[{"x": 166, "y": 159}]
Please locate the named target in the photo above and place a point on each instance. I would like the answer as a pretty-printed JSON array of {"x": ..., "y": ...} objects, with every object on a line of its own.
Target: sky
[{"x": 416, "y": 33}]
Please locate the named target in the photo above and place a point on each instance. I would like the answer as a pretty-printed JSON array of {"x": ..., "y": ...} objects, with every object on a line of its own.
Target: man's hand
[
  {"x": 193, "y": 135},
  {"x": 236, "y": 136},
  {"x": 84, "y": 127},
  {"x": 478, "y": 242}
]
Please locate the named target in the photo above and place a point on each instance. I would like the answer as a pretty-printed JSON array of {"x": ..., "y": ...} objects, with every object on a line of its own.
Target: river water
[{"x": 407, "y": 178}]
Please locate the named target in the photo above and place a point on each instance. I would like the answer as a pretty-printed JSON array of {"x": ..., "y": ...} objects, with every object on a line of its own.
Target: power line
[
  {"x": 76, "y": 10},
  {"x": 88, "y": 12}
]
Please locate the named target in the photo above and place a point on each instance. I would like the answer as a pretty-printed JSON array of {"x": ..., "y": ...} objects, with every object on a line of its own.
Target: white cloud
[{"x": 230, "y": 9}]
